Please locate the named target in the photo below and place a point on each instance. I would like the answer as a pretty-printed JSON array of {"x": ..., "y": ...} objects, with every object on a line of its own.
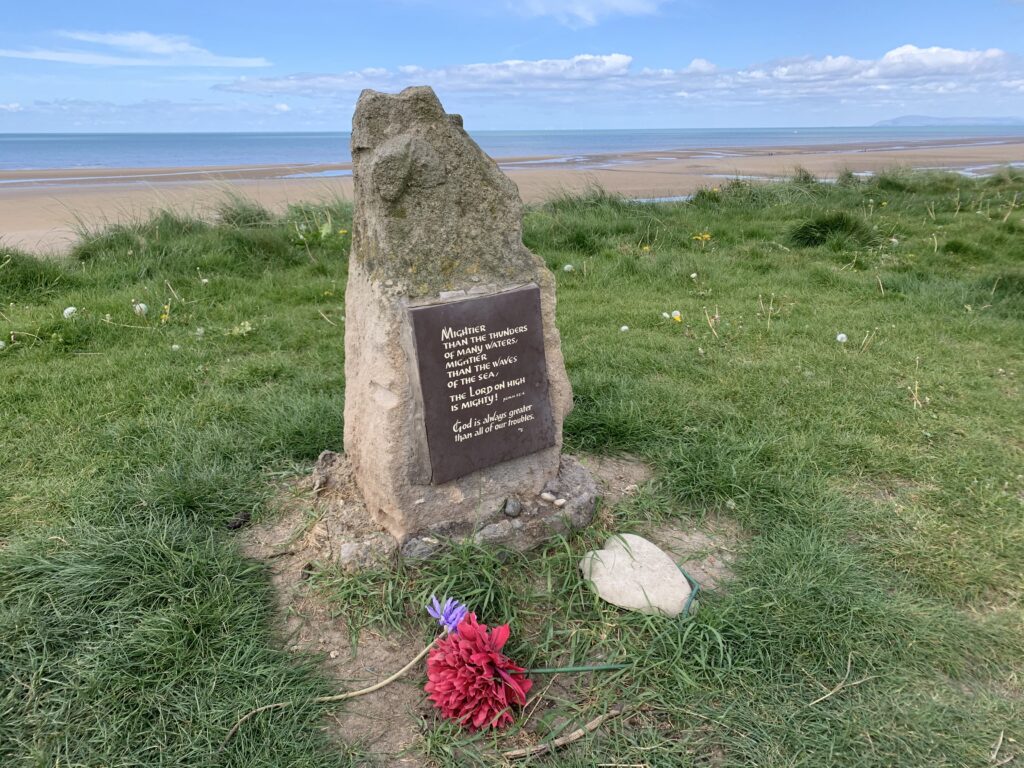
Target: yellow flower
[{"x": 645, "y": 248}]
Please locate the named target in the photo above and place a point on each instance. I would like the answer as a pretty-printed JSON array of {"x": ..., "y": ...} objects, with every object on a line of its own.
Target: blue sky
[{"x": 524, "y": 64}]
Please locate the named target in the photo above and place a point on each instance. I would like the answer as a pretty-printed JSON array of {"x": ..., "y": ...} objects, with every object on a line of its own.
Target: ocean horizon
[{"x": 48, "y": 151}]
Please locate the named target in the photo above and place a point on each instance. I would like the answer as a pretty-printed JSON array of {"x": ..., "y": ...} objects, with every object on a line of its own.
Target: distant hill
[{"x": 919, "y": 121}]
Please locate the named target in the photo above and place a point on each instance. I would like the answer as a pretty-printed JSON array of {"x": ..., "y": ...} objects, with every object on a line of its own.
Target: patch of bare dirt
[
  {"x": 706, "y": 551},
  {"x": 618, "y": 476},
  {"x": 321, "y": 519}
]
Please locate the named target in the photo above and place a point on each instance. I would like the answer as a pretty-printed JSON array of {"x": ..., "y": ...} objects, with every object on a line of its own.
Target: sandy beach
[{"x": 41, "y": 211}]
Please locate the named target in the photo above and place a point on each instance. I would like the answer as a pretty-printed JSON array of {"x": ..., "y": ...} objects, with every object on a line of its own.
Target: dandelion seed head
[{"x": 841, "y": 338}]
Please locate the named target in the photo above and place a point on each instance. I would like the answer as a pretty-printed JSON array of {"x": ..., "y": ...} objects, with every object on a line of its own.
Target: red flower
[{"x": 470, "y": 680}]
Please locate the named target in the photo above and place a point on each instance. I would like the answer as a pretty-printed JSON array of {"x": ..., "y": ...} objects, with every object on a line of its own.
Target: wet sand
[{"x": 41, "y": 211}]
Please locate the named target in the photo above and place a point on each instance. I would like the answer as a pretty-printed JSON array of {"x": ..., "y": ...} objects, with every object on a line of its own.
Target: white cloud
[
  {"x": 700, "y": 66},
  {"x": 899, "y": 77},
  {"x": 514, "y": 73},
  {"x": 907, "y": 62},
  {"x": 134, "y": 49},
  {"x": 12, "y": 107},
  {"x": 282, "y": 108},
  {"x": 586, "y": 12}
]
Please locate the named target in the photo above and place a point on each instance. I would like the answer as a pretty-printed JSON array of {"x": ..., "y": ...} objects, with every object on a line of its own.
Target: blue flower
[{"x": 449, "y": 615}]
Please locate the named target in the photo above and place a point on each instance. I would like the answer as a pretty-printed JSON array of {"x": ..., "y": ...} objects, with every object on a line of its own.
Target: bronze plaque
[{"x": 484, "y": 381}]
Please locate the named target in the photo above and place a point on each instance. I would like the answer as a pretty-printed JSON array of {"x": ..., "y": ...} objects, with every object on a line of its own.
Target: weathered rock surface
[
  {"x": 435, "y": 220},
  {"x": 635, "y": 574}
]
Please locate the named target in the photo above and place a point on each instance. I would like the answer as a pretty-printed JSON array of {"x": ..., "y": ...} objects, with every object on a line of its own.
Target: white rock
[
  {"x": 635, "y": 574},
  {"x": 559, "y": 502},
  {"x": 548, "y": 496}
]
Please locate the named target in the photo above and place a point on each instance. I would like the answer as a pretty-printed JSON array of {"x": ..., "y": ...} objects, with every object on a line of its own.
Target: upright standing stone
[{"x": 455, "y": 384}]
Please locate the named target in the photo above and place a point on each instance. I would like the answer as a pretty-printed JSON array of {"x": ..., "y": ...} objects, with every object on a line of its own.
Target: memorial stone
[{"x": 456, "y": 388}]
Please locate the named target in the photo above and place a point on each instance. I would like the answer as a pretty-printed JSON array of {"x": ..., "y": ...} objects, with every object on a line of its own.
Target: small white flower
[
  {"x": 693, "y": 275},
  {"x": 568, "y": 268},
  {"x": 108, "y": 318},
  {"x": 140, "y": 309},
  {"x": 624, "y": 328},
  {"x": 175, "y": 347},
  {"x": 200, "y": 332},
  {"x": 70, "y": 312},
  {"x": 205, "y": 281},
  {"x": 841, "y": 338}
]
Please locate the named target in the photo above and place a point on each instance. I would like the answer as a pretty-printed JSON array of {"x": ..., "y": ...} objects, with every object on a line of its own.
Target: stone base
[{"x": 567, "y": 504}]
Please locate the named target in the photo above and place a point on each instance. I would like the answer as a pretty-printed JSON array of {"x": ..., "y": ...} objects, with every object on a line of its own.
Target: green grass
[{"x": 878, "y": 483}]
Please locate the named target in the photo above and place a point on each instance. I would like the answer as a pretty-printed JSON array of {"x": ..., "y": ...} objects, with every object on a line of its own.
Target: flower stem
[{"x": 593, "y": 668}]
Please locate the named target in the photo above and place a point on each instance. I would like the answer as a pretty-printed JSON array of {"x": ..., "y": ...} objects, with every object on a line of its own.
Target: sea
[{"x": 40, "y": 151}]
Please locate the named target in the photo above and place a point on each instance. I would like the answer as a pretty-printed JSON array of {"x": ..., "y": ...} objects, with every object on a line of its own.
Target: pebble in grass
[{"x": 635, "y": 574}]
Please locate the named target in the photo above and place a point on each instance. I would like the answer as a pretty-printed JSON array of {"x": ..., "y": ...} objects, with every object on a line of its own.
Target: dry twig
[
  {"x": 1013, "y": 207},
  {"x": 173, "y": 292},
  {"x": 711, "y": 323},
  {"x": 997, "y": 747},
  {"x": 842, "y": 683},
  {"x": 550, "y": 746}
]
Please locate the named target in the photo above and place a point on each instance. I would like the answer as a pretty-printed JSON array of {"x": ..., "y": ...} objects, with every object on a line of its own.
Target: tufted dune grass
[{"x": 875, "y": 618}]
